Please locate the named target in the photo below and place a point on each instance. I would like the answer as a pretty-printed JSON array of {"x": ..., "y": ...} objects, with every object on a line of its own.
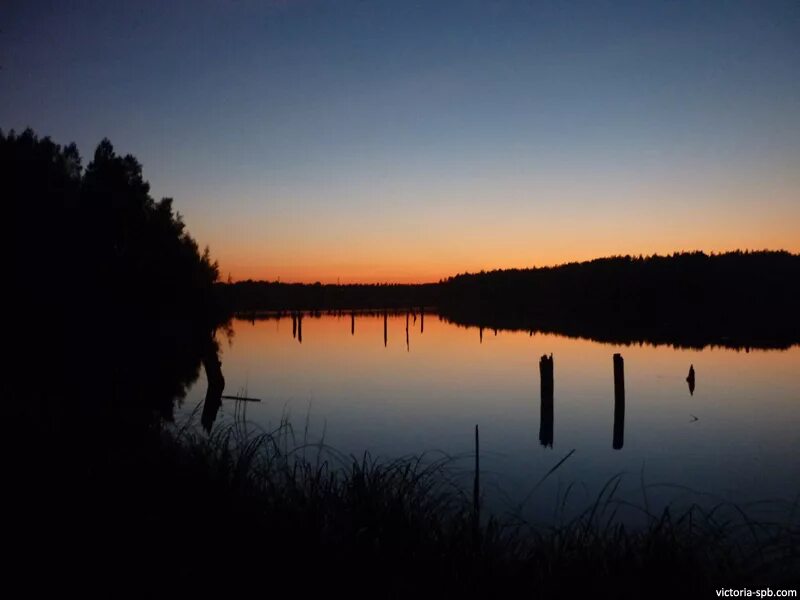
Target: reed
[{"x": 408, "y": 522}]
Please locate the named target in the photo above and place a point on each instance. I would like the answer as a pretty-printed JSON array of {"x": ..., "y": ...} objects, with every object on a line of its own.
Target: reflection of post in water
[
  {"x": 216, "y": 384},
  {"x": 619, "y": 402},
  {"x": 300, "y": 327},
  {"x": 408, "y": 347},
  {"x": 352, "y": 322},
  {"x": 294, "y": 326},
  {"x": 480, "y": 334},
  {"x": 690, "y": 380},
  {"x": 546, "y": 417},
  {"x": 422, "y": 319},
  {"x": 385, "y": 336}
]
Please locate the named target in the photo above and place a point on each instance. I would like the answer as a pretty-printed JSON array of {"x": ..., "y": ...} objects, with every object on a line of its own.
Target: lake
[{"x": 407, "y": 384}]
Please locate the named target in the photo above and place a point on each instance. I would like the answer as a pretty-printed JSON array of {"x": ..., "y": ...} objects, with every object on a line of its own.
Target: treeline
[
  {"x": 109, "y": 291},
  {"x": 254, "y": 296},
  {"x": 110, "y": 314},
  {"x": 691, "y": 299},
  {"x": 96, "y": 233}
]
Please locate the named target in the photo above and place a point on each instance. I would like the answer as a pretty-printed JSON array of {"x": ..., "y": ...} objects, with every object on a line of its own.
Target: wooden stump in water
[
  {"x": 547, "y": 406},
  {"x": 619, "y": 402},
  {"x": 300, "y": 328}
]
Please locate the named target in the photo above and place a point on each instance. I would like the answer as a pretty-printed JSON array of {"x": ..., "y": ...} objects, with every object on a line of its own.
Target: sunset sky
[{"x": 403, "y": 141}]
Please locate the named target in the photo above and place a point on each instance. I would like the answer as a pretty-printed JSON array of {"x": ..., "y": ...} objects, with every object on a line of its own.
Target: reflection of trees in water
[
  {"x": 215, "y": 387},
  {"x": 155, "y": 369},
  {"x": 620, "y": 333}
]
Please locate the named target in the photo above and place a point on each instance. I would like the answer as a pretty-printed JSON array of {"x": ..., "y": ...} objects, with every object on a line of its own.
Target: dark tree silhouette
[
  {"x": 117, "y": 287},
  {"x": 735, "y": 299},
  {"x": 111, "y": 311}
]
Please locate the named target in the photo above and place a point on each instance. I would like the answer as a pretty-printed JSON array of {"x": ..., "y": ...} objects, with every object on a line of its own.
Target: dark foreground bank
[{"x": 169, "y": 509}]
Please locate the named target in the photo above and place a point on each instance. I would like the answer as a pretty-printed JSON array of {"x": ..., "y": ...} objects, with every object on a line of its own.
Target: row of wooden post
[
  {"x": 297, "y": 325},
  {"x": 547, "y": 408}
]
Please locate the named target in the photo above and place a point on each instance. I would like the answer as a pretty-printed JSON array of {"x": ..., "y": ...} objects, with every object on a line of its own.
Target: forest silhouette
[
  {"x": 112, "y": 313},
  {"x": 110, "y": 278},
  {"x": 737, "y": 299}
]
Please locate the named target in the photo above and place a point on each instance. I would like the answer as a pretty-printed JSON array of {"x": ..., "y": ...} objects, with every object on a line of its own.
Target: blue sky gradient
[{"x": 375, "y": 141}]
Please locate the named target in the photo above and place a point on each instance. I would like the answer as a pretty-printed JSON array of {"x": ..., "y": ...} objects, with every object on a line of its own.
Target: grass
[
  {"x": 406, "y": 525},
  {"x": 243, "y": 511}
]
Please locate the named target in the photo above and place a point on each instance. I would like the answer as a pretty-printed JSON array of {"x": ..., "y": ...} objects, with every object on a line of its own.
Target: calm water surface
[{"x": 736, "y": 438}]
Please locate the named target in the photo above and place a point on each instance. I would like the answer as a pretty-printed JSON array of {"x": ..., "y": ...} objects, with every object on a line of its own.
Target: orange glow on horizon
[
  {"x": 427, "y": 273},
  {"x": 399, "y": 243}
]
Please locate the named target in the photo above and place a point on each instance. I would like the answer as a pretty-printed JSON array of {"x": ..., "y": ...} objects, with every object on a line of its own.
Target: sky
[{"x": 373, "y": 141}]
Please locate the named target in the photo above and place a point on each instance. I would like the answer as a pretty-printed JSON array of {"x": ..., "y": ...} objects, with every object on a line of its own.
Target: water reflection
[
  {"x": 300, "y": 328},
  {"x": 397, "y": 402},
  {"x": 216, "y": 385}
]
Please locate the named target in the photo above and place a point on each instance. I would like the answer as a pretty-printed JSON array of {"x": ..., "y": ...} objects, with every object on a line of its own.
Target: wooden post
[
  {"x": 619, "y": 402},
  {"x": 300, "y": 328},
  {"x": 546, "y": 407}
]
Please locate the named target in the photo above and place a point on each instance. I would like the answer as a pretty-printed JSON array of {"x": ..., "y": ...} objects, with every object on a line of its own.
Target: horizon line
[{"x": 639, "y": 256}]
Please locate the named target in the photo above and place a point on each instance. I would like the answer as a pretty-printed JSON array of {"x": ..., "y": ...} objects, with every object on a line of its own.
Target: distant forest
[
  {"x": 254, "y": 296},
  {"x": 688, "y": 299},
  {"x": 739, "y": 299}
]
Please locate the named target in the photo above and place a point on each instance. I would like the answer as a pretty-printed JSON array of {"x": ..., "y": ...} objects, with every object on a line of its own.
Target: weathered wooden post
[
  {"x": 300, "y": 328},
  {"x": 547, "y": 408},
  {"x": 619, "y": 402}
]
